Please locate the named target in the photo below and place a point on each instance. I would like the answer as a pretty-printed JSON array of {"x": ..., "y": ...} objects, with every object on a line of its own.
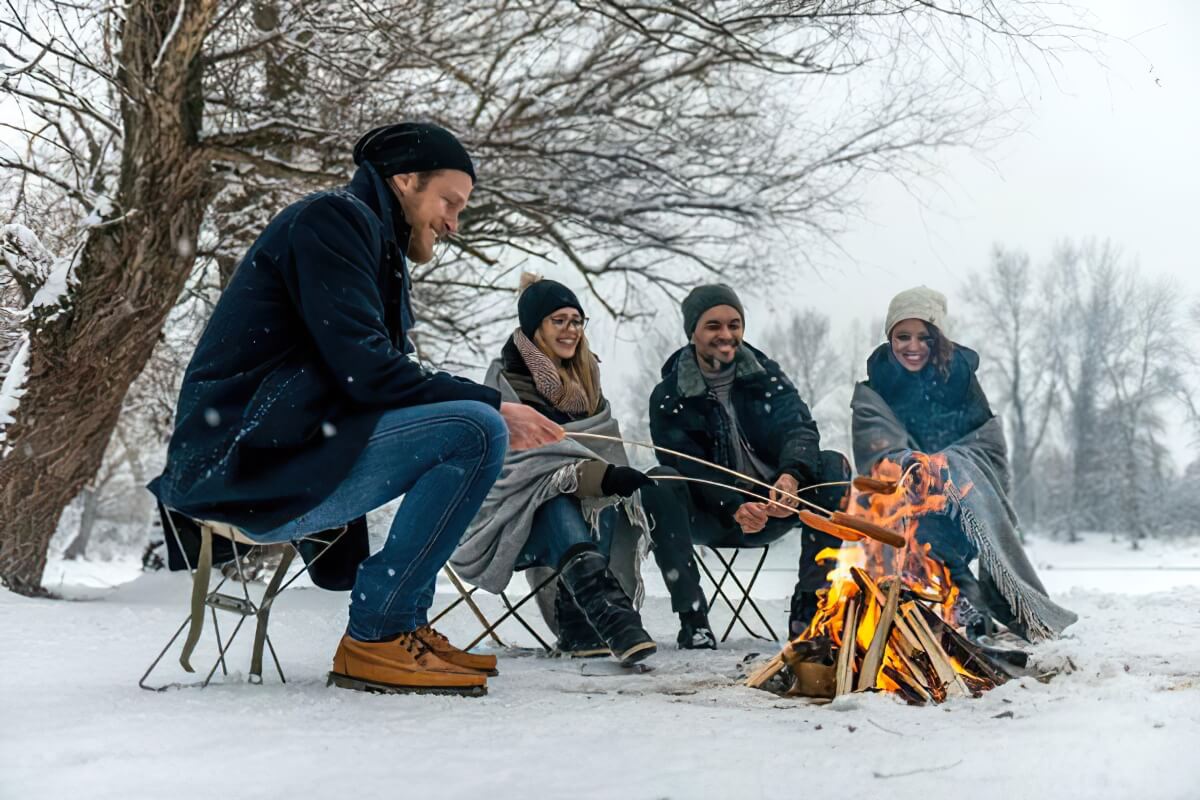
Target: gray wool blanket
[
  {"x": 488, "y": 552},
  {"x": 978, "y": 460}
]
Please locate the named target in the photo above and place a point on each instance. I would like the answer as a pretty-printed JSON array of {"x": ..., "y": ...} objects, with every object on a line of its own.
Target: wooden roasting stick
[
  {"x": 677, "y": 454},
  {"x": 841, "y": 518}
]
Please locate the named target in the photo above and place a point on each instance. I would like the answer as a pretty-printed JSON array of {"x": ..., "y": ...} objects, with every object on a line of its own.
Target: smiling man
[
  {"x": 726, "y": 402},
  {"x": 303, "y": 407}
]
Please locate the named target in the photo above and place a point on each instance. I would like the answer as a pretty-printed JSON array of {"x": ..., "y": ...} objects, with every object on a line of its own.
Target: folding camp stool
[
  {"x": 465, "y": 595},
  {"x": 215, "y": 600},
  {"x": 745, "y": 589}
]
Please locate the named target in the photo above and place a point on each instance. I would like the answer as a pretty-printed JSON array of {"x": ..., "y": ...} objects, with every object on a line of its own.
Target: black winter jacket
[
  {"x": 685, "y": 416},
  {"x": 936, "y": 409},
  {"x": 306, "y": 348}
]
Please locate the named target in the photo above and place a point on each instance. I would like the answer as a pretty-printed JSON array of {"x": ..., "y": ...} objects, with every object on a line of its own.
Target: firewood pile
[
  {"x": 887, "y": 638},
  {"x": 887, "y": 621}
]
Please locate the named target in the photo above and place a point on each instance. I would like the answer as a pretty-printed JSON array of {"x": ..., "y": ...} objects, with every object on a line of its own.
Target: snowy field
[{"x": 1123, "y": 723}]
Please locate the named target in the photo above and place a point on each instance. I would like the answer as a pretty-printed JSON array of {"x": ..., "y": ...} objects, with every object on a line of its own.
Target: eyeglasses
[{"x": 574, "y": 323}]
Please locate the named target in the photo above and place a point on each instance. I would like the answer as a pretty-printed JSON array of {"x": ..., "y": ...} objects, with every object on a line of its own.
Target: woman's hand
[
  {"x": 624, "y": 481},
  {"x": 527, "y": 428}
]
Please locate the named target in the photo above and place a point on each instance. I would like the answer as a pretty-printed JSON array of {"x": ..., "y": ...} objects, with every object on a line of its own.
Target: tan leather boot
[
  {"x": 404, "y": 664},
  {"x": 442, "y": 648}
]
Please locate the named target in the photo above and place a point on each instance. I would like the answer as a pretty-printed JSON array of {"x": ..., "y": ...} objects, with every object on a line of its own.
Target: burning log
[
  {"x": 951, "y": 682},
  {"x": 873, "y": 660},
  {"x": 845, "y": 663},
  {"x": 869, "y": 529}
]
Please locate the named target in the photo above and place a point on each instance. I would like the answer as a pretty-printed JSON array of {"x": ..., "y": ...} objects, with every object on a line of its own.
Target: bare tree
[
  {"x": 1087, "y": 285},
  {"x": 802, "y": 344},
  {"x": 1145, "y": 370},
  {"x": 1009, "y": 307},
  {"x": 636, "y": 142}
]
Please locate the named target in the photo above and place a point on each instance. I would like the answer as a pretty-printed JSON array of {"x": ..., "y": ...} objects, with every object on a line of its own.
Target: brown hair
[
  {"x": 941, "y": 349},
  {"x": 580, "y": 368}
]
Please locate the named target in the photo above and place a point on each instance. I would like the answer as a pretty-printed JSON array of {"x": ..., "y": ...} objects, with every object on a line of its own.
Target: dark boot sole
[
  {"x": 374, "y": 687},
  {"x": 638, "y": 652}
]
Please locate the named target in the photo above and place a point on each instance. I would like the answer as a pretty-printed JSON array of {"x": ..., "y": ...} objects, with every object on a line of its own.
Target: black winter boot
[
  {"x": 576, "y": 636},
  {"x": 695, "y": 632},
  {"x": 610, "y": 611}
]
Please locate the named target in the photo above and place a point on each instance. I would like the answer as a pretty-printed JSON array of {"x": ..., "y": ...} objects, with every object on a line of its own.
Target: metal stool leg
[
  {"x": 746, "y": 598},
  {"x": 512, "y": 610}
]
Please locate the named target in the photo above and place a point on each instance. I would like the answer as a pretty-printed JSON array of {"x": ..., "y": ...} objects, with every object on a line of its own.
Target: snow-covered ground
[{"x": 1125, "y": 723}]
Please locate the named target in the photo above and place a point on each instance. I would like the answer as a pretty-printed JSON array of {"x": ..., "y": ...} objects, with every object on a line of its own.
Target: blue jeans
[
  {"x": 558, "y": 527},
  {"x": 443, "y": 457}
]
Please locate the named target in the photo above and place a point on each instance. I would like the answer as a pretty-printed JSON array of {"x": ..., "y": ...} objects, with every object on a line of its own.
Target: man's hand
[
  {"x": 751, "y": 516},
  {"x": 786, "y": 485},
  {"x": 527, "y": 428}
]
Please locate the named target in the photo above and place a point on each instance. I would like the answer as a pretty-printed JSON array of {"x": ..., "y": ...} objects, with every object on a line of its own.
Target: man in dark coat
[
  {"x": 723, "y": 401},
  {"x": 303, "y": 408}
]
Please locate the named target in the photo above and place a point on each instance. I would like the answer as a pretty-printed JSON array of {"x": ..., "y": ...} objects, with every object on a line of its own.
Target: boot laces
[
  {"x": 413, "y": 644},
  {"x": 428, "y": 631}
]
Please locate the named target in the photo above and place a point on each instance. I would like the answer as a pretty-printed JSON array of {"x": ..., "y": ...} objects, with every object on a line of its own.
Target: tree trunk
[{"x": 130, "y": 272}]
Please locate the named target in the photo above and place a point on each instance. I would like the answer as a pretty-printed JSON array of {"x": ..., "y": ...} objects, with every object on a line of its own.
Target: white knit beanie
[{"x": 920, "y": 303}]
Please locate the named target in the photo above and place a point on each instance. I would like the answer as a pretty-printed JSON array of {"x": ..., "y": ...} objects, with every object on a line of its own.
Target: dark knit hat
[
  {"x": 539, "y": 300},
  {"x": 412, "y": 147},
  {"x": 702, "y": 298}
]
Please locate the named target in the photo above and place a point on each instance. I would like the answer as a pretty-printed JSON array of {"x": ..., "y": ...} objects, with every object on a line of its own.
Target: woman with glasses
[{"x": 571, "y": 506}]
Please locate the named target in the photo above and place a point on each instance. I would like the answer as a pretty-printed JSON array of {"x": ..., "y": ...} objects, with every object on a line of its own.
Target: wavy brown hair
[
  {"x": 941, "y": 349},
  {"x": 580, "y": 368}
]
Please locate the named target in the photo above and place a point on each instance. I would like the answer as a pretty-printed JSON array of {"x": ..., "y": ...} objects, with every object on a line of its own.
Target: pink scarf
[{"x": 567, "y": 397}]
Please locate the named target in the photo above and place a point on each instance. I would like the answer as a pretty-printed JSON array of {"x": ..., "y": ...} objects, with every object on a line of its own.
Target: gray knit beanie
[
  {"x": 702, "y": 298},
  {"x": 920, "y": 303}
]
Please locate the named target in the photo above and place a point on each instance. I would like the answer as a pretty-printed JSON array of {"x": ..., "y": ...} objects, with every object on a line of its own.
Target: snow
[
  {"x": 12, "y": 389},
  {"x": 1123, "y": 723}
]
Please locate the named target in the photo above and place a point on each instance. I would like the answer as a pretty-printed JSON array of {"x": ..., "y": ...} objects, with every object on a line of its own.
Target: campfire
[{"x": 887, "y": 622}]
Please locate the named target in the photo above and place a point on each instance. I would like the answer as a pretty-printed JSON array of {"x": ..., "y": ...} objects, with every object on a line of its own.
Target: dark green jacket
[{"x": 777, "y": 425}]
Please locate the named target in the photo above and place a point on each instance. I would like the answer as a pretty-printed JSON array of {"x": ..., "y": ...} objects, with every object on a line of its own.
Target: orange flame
[{"x": 921, "y": 489}]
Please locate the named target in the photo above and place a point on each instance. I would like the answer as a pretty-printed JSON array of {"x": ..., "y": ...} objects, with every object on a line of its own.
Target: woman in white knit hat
[{"x": 922, "y": 396}]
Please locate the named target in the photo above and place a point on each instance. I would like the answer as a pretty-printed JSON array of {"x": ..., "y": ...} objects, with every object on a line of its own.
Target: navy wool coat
[{"x": 305, "y": 350}]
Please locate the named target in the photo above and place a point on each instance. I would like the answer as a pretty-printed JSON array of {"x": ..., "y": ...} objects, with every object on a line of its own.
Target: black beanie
[
  {"x": 540, "y": 300},
  {"x": 412, "y": 147},
  {"x": 702, "y": 298}
]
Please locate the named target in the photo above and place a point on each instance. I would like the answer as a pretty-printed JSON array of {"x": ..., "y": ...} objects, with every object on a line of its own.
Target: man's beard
[{"x": 714, "y": 363}]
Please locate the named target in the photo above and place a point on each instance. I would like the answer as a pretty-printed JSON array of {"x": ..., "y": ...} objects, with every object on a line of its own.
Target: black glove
[{"x": 624, "y": 481}]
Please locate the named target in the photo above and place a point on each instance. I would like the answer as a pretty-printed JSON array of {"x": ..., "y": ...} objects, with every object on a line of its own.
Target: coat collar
[
  {"x": 689, "y": 380},
  {"x": 371, "y": 188}
]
